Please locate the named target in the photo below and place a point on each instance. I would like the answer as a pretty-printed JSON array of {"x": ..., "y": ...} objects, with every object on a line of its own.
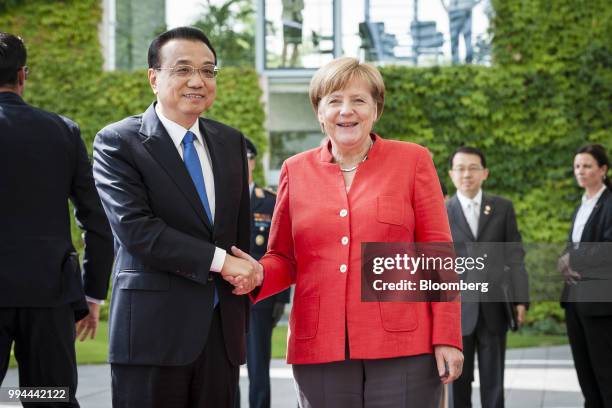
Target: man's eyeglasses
[
  {"x": 186, "y": 71},
  {"x": 471, "y": 169}
]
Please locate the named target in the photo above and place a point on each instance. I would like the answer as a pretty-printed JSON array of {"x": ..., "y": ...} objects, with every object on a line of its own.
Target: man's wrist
[
  {"x": 94, "y": 300},
  {"x": 218, "y": 260}
]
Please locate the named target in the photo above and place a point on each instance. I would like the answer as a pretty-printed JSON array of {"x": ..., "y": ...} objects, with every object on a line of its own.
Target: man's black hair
[
  {"x": 468, "y": 150},
  {"x": 12, "y": 58},
  {"x": 179, "y": 33}
]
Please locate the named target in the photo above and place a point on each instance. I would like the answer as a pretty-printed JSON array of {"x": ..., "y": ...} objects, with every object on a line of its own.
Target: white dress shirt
[
  {"x": 584, "y": 212},
  {"x": 471, "y": 210},
  {"x": 177, "y": 133}
]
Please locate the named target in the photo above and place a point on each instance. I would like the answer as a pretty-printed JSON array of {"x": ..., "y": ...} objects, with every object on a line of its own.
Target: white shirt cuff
[
  {"x": 218, "y": 260},
  {"x": 96, "y": 301}
]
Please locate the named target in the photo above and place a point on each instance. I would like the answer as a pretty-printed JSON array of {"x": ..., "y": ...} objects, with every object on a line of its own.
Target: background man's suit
[
  {"x": 43, "y": 164},
  {"x": 261, "y": 318},
  {"x": 162, "y": 301},
  {"x": 484, "y": 324},
  {"x": 589, "y": 324}
]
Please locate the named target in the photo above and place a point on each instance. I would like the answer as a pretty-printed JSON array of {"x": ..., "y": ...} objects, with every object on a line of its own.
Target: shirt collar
[
  {"x": 176, "y": 131},
  {"x": 465, "y": 200},
  {"x": 595, "y": 198}
]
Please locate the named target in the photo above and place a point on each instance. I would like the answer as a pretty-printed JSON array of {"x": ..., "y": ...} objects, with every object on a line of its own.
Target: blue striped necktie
[{"x": 194, "y": 167}]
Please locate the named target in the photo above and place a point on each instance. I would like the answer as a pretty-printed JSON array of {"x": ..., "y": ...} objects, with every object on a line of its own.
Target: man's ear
[
  {"x": 485, "y": 174},
  {"x": 21, "y": 76},
  {"x": 152, "y": 74}
]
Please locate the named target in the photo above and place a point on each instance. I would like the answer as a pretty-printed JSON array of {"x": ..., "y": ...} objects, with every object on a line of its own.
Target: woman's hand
[
  {"x": 450, "y": 363},
  {"x": 569, "y": 275}
]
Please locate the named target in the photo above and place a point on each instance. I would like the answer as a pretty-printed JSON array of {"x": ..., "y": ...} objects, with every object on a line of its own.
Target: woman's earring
[{"x": 322, "y": 128}]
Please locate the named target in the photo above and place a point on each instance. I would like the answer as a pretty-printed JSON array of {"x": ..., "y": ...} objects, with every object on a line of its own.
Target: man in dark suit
[
  {"x": 480, "y": 218},
  {"x": 43, "y": 164},
  {"x": 266, "y": 314},
  {"x": 175, "y": 189}
]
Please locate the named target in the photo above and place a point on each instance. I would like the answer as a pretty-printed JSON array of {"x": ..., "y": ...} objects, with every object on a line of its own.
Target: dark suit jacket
[
  {"x": 262, "y": 208},
  {"x": 496, "y": 224},
  {"x": 593, "y": 260},
  {"x": 162, "y": 301},
  {"x": 43, "y": 164}
]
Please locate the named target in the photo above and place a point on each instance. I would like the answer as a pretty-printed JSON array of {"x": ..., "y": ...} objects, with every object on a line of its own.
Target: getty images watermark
[
  {"x": 509, "y": 272},
  {"x": 418, "y": 263}
]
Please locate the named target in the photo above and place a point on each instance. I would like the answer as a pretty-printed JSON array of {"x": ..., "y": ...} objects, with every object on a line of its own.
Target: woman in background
[{"x": 587, "y": 268}]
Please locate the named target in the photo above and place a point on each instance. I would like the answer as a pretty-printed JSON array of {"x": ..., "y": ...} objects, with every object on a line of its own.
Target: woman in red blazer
[{"x": 358, "y": 188}]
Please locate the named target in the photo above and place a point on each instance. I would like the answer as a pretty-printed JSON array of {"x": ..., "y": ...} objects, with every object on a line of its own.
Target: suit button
[
  {"x": 344, "y": 240},
  {"x": 343, "y": 212},
  {"x": 343, "y": 268}
]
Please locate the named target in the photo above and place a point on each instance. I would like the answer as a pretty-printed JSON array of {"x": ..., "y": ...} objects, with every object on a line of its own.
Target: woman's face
[
  {"x": 348, "y": 114},
  {"x": 587, "y": 171}
]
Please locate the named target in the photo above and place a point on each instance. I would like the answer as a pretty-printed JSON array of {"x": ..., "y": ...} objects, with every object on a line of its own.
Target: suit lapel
[
  {"x": 457, "y": 214},
  {"x": 159, "y": 144},
  {"x": 486, "y": 212},
  {"x": 596, "y": 209},
  {"x": 215, "y": 144}
]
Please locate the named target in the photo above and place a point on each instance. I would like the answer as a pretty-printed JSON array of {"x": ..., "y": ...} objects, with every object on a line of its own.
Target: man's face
[
  {"x": 182, "y": 100},
  {"x": 251, "y": 162},
  {"x": 468, "y": 174}
]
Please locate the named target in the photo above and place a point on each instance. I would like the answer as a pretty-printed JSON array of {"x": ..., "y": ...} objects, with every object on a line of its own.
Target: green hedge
[{"x": 519, "y": 118}]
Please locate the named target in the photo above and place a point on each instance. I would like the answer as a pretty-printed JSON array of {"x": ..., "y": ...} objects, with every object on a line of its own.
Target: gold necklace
[{"x": 365, "y": 157}]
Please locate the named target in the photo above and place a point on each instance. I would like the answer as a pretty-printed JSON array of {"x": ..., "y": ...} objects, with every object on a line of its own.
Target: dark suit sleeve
[
  {"x": 515, "y": 258},
  {"x": 244, "y": 216},
  {"x": 284, "y": 296},
  {"x": 90, "y": 217},
  {"x": 146, "y": 236}
]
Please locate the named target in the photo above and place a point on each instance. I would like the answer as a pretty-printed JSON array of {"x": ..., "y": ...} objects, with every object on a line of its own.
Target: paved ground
[{"x": 535, "y": 378}]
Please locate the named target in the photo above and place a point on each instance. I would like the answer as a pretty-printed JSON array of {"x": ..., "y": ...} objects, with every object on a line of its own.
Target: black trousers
[
  {"x": 209, "y": 382},
  {"x": 491, "y": 350},
  {"x": 402, "y": 382},
  {"x": 591, "y": 343},
  {"x": 44, "y": 349}
]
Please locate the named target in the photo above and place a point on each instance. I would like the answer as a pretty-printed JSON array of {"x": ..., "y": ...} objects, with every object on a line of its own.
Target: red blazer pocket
[
  {"x": 398, "y": 316},
  {"x": 305, "y": 317},
  {"x": 390, "y": 210}
]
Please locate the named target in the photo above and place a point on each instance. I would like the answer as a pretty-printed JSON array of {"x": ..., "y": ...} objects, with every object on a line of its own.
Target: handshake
[{"x": 242, "y": 271}]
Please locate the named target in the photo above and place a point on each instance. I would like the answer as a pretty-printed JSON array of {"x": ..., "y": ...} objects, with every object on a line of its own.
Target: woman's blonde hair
[{"x": 338, "y": 73}]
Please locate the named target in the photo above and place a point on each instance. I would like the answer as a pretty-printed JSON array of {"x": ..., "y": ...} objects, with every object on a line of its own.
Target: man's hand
[
  {"x": 521, "y": 311},
  {"x": 87, "y": 326},
  {"x": 278, "y": 310},
  {"x": 258, "y": 275},
  {"x": 569, "y": 275},
  {"x": 450, "y": 363},
  {"x": 239, "y": 272}
]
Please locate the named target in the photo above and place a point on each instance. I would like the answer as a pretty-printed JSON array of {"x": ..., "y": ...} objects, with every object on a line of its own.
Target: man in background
[
  {"x": 265, "y": 314},
  {"x": 43, "y": 164},
  {"x": 460, "y": 23},
  {"x": 478, "y": 217}
]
